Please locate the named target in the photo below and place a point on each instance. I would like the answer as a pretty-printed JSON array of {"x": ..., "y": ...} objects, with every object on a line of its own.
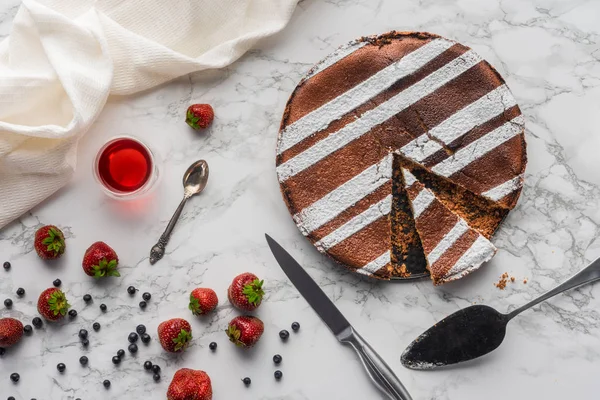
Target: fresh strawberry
[
  {"x": 11, "y": 331},
  {"x": 100, "y": 260},
  {"x": 53, "y": 304},
  {"x": 199, "y": 115},
  {"x": 175, "y": 334},
  {"x": 190, "y": 384},
  {"x": 49, "y": 242},
  {"x": 245, "y": 292},
  {"x": 245, "y": 331},
  {"x": 203, "y": 301}
]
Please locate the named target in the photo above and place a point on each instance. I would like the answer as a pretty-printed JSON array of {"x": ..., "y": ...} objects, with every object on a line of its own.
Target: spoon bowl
[{"x": 195, "y": 178}]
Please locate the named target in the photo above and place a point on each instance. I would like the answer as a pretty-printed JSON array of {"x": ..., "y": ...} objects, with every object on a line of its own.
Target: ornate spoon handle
[{"x": 158, "y": 250}]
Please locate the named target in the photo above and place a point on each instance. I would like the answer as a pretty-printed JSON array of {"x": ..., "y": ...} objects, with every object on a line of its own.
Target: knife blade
[{"x": 379, "y": 372}]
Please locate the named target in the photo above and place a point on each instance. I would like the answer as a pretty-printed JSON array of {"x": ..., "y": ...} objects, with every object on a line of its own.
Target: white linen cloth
[{"x": 63, "y": 59}]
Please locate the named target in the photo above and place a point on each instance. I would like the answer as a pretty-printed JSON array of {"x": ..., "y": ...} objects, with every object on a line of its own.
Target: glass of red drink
[{"x": 125, "y": 167}]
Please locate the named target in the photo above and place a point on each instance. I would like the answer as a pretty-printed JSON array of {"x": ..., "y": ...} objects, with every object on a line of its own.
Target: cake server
[
  {"x": 379, "y": 372},
  {"x": 477, "y": 330}
]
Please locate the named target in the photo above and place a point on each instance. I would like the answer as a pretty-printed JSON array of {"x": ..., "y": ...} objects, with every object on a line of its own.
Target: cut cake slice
[{"x": 452, "y": 248}]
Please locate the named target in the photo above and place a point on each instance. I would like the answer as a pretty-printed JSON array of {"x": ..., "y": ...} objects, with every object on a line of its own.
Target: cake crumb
[
  {"x": 525, "y": 281},
  {"x": 512, "y": 278},
  {"x": 501, "y": 284}
]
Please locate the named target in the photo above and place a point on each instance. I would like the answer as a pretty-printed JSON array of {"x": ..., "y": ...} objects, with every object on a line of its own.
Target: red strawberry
[
  {"x": 203, "y": 301},
  {"x": 245, "y": 331},
  {"x": 100, "y": 260},
  {"x": 175, "y": 334},
  {"x": 199, "y": 115},
  {"x": 190, "y": 384},
  {"x": 245, "y": 292},
  {"x": 11, "y": 331},
  {"x": 49, "y": 242},
  {"x": 53, "y": 304}
]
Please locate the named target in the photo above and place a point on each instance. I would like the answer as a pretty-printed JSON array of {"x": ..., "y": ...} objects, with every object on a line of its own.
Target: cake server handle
[{"x": 379, "y": 372}]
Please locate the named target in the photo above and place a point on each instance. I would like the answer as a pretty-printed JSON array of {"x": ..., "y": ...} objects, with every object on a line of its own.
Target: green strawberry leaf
[
  {"x": 106, "y": 268},
  {"x": 182, "y": 340},
  {"x": 58, "y": 303},
  {"x": 254, "y": 292},
  {"x": 194, "y": 306},
  {"x": 234, "y": 335}
]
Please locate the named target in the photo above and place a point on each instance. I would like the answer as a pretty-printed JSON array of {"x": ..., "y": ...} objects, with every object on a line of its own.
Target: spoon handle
[
  {"x": 589, "y": 274},
  {"x": 158, "y": 250}
]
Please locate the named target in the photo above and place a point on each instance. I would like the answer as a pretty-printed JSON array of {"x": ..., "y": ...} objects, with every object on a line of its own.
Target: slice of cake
[{"x": 451, "y": 247}]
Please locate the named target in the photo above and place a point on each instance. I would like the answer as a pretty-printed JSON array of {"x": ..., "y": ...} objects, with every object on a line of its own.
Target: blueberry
[
  {"x": 106, "y": 383},
  {"x": 212, "y": 346},
  {"x": 61, "y": 367},
  {"x": 83, "y": 334},
  {"x": 121, "y": 353},
  {"x": 295, "y": 326},
  {"x": 145, "y": 338},
  {"x": 141, "y": 329},
  {"x": 20, "y": 292},
  {"x": 10, "y": 398},
  {"x": 278, "y": 374},
  {"x": 133, "y": 337},
  {"x": 6, "y": 265},
  {"x": 37, "y": 322},
  {"x": 284, "y": 334},
  {"x": 116, "y": 360},
  {"x": 27, "y": 329},
  {"x": 148, "y": 365},
  {"x": 146, "y": 296},
  {"x": 15, "y": 377},
  {"x": 156, "y": 377},
  {"x": 247, "y": 381},
  {"x": 156, "y": 369},
  {"x": 83, "y": 360},
  {"x": 277, "y": 359},
  {"x": 57, "y": 283},
  {"x": 133, "y": 348},
  {"x": 87, "y": 298},
  {"x": 103, "y": 307},
  {"x": 143, "y": 304},
  {"x": 85, "y": 342},
  {"x": 72, "y": 313},
  {"x": 96, "y": 326},
  {"x": 8, "y": 303},
  {"x": 131, "y": 290}
]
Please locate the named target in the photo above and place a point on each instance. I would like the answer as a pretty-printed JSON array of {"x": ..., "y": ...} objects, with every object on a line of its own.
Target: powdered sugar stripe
[
  {"x": 378, "y": 115},
  {"x": 409, "y": 178},
  {"x": 421, "y": 202},
  {"x": 501, "y": 191},
  {"x": 481, "y": 250},
  {"x": 333, "y": 203},
  {"x": 447, "y": 241},
  {"x": 320, "y": 118},
  {"x": 370, "y": 215},
  {"x": 460, "y": 123},
  {"x": 375, "y": 265},
  {"x": 341, "y": 53},
  {"x": 475, "y": 150}
]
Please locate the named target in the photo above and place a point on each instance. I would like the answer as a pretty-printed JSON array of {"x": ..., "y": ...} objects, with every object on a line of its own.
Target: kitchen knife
[{"x": 379, "y": 372}]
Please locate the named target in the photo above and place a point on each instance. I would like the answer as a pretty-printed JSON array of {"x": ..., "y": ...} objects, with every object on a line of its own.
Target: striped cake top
[{"x": 413, "y": 96}]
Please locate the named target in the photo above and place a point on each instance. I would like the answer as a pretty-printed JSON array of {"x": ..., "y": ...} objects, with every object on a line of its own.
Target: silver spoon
[{"x": 194, "y": 182}]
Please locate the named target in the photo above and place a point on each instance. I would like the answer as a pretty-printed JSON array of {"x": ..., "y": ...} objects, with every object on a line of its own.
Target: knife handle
[{"x": 379, "y": 372}]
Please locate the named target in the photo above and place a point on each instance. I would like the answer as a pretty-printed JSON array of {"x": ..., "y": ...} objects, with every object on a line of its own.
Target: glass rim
[{"x": 119, "y": 194}]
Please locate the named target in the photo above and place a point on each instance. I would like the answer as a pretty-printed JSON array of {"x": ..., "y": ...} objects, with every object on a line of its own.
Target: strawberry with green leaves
[
  {"x": 49, "y": 242},
  {"x": 190, "y": 384},
  {"x": 100, "y": 261},
  {"x": 53, "y": 304},
  {"x": 199, "y": 116},
  {"x": 203, "y": 301},
  {"x": 246, "y": 292},
  {"x": 245, "y": 331},
  {"x": 175, "y": 334},
  {"x": 11, "y": 331}
]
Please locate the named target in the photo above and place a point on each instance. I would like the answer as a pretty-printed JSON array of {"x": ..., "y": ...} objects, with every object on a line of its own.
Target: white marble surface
[{"x": 548, "y": 50}]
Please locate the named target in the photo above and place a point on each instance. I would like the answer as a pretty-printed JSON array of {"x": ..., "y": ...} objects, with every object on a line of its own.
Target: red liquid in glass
[{"x": 125, "y": 165}]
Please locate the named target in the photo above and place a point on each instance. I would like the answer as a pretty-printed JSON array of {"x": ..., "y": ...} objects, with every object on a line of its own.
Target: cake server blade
[{"x": 379, "y": 372}]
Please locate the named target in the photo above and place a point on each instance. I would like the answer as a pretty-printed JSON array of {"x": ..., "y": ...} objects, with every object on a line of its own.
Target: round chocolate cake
[{"x": 399, "y": 155}]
